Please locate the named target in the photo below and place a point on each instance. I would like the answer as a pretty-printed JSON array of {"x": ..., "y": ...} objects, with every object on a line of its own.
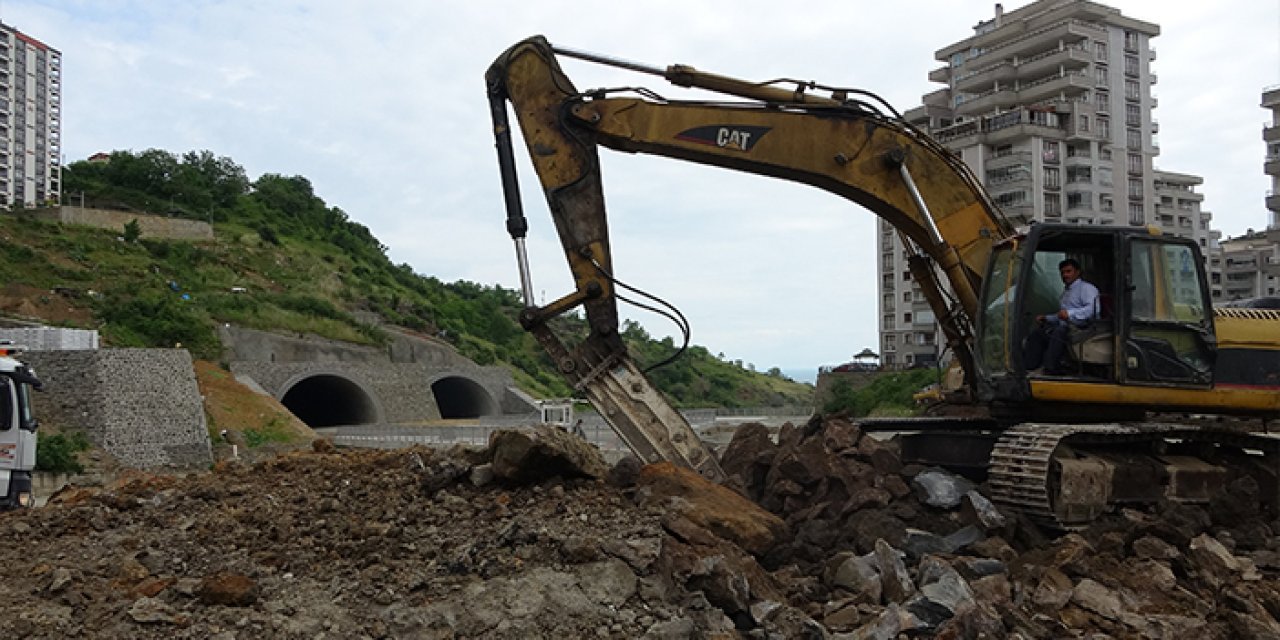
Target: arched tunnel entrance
[
  {"x": 330, "y": 401},
  {"x": 459, "y": 397}
]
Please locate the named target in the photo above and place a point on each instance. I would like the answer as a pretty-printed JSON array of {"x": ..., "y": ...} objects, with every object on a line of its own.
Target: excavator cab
[{"x": 1153, "y": 326}]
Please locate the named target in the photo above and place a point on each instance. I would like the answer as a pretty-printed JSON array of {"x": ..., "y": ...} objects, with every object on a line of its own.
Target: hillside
[{"x": 283, "y": 260}]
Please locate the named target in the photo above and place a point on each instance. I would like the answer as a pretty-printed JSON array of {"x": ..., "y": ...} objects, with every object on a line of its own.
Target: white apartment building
[
  {"x": 1251, "y": 263},
  {"x": 30, "y": 120},
  {"x": 1051, "y": 107},
  {"x": 1271, "y": 166}
]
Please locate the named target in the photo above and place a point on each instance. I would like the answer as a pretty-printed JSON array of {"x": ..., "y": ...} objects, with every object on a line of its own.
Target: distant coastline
[{"x": 809, "y": 374}]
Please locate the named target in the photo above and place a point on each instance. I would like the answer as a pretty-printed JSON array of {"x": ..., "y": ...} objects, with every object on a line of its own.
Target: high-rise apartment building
[
  {"x": 1271, "y": 137},
  {"x": 30, "y": 120},
  {"x": 1051, "y": 107},
  {"x": 1251, "y": 262}
]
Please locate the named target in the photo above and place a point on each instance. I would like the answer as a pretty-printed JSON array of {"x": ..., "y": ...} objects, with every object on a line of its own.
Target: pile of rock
[
  {"x": 880, "y": 548},
  {"x": 534, "y": 536}
]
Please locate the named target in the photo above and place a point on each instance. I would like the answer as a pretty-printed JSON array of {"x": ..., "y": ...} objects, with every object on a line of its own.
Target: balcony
[
  {"x": 939, "y": 98},
  {"x": 941, "y": 74},
  {"x": 1002, "y": 72},
  {"x": 1272, "y": 166},
  {"x": 1273, "y": 201},
  {"x": 1008, "y": 159},
  {"x": 1247, "y": 265},
  {"x": 987, "y": 102},
  {"x": 1053, "y": 61},
  {"x": 1271, "y": 97},
  {"x": 1065, "y": 32},
  {"x": 1069, "y": 83},
  {"x": 1271, "y": 133},
  {"x": 1018, "y": 214}
]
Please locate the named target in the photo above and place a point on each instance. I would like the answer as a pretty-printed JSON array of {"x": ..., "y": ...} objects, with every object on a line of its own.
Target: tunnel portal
[
  {"x": 459, "y": 397},
  {"x": 330, "y": 401}
]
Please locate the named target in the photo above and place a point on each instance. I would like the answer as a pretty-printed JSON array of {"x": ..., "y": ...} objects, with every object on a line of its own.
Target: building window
[
  {"x": 1079, "y": 174},
  {"x": 1079, "y": 151},
  {"x": 1105, "y": 204},
  {"x": 906, "y": 296},
  {"x": 906, "y": 317},
  {"x": 1079, "y": 200},
  {"x": 906, "y": 276},
  {"x": 1131, "y": 65},
  {"x": 1104, "y": 127},
  {"x": 1104, "y": 176},
  {"x": 1135, "y": 163},
  {"x": 1135, "y": 188},
  {"x": 1133, "y": 139},
  {"x": 1011, "y": 198},
  {"x": 1130, "y": 41},
  {"x": 886, "y": 260},
  {"x": 1132, "y": 91},
  {"x": 1135, "y": 213},
  {"x": 1052, "y": 205},
  {"x": 1100, "y": 48},
  {"x": 890, "y": 341},
  {"x": 1102, "y": 100},
  {"x": 888, "y": 282},
  {"x": 1084, "y": 124},
  {"x": 1100, "y": 75},
  {"x": 888, "y": 320},
  {"x": 1050, "y": 148},
  {"x": 1052, "y": 177},
  {"x": 888, "y": 301},
  {"x": 1132, "y": 115}
]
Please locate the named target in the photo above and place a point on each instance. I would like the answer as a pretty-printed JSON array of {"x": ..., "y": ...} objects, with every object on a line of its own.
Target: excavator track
[{"x": 1038, "y": 469}]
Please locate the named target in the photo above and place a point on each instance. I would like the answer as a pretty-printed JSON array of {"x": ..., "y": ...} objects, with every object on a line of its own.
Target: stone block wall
[
  {"x": 151, "y": 226},
  {"x": 142, "y": 406}
]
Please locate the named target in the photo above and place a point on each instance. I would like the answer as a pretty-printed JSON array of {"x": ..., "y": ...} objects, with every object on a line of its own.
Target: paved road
[{"x": 715, "y": 431}]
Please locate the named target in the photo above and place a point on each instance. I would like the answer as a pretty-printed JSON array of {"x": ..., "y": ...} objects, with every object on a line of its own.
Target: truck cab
[{"x": 17, "y": 430}]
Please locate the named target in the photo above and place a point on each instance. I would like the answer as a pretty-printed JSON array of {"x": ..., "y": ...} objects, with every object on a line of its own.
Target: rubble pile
[
  {"x": 880, "y": 548},
  {"x": 822, "y": 533}
]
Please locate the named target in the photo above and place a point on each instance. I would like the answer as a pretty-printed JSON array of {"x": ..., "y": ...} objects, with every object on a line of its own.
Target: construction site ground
[{"x": 821, "y": 533}]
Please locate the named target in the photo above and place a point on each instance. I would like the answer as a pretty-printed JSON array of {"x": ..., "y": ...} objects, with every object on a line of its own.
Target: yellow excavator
[{"x": 1063, "y": 449}]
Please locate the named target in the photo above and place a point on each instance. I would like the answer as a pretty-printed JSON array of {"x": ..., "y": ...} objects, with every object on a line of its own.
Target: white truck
[{"x": 17, "y": 429}]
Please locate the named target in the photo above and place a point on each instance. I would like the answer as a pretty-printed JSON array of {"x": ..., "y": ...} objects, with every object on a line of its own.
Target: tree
[{"x": 132, "y": 231}]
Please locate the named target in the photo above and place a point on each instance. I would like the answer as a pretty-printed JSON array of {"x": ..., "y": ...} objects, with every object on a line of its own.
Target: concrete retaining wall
[
  {"x": 398, "y": 378},
  {"x": 151, "y": 226},
  {"x": 142, "y": 406}
]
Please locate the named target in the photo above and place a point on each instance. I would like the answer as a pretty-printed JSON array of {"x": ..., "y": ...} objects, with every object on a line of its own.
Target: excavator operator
[{"x": 1078, "y": 307}]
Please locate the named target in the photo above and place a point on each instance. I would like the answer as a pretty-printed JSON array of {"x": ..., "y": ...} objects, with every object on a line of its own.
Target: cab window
[{"x": 1170, "y": 322}]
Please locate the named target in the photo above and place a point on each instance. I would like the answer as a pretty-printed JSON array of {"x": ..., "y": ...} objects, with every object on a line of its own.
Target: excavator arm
[{"x": 839, "y": 143}]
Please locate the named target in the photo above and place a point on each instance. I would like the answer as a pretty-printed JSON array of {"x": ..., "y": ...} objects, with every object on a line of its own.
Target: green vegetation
[
  {"x": 284, "y": 260},
  {"x": 889, "y": 394},
  {"x": 274, "y": 431},
  {"x": 56, "y": 452}
]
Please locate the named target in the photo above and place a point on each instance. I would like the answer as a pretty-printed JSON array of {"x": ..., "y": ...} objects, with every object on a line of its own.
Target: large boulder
[
  {"x": 546, "y": 452},
  {"x": 713, "y": 507}
]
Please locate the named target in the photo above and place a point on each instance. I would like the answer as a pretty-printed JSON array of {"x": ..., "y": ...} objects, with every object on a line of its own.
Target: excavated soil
[{"x": 533, "y": 537}]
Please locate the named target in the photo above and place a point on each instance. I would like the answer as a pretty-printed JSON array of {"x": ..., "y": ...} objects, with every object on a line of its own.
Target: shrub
[
  {"x": 56, "y": 452},
  {"x": 888, "y": 393}
]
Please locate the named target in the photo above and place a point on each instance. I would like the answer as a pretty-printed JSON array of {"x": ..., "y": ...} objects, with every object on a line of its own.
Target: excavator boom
[{"x": 838, "y": 142}]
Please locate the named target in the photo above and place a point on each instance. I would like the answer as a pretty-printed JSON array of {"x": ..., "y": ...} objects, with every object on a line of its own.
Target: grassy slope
[{"x": 160, "y": 293}]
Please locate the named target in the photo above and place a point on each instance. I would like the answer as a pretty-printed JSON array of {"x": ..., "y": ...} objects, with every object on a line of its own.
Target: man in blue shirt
[{"x": 1077, "y": 307}]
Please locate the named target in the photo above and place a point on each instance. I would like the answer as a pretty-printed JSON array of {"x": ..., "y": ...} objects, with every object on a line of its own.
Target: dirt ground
[
  {"x": 56, "y": 308},
  {"x": 825, "y": 534}
]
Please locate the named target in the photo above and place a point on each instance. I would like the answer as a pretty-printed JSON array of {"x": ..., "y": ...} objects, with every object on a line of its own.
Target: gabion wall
[{"x": 142, "y": 406}]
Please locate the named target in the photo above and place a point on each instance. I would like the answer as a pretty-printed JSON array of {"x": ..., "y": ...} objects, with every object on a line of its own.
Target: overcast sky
[{"x": 381, "y": 105}]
